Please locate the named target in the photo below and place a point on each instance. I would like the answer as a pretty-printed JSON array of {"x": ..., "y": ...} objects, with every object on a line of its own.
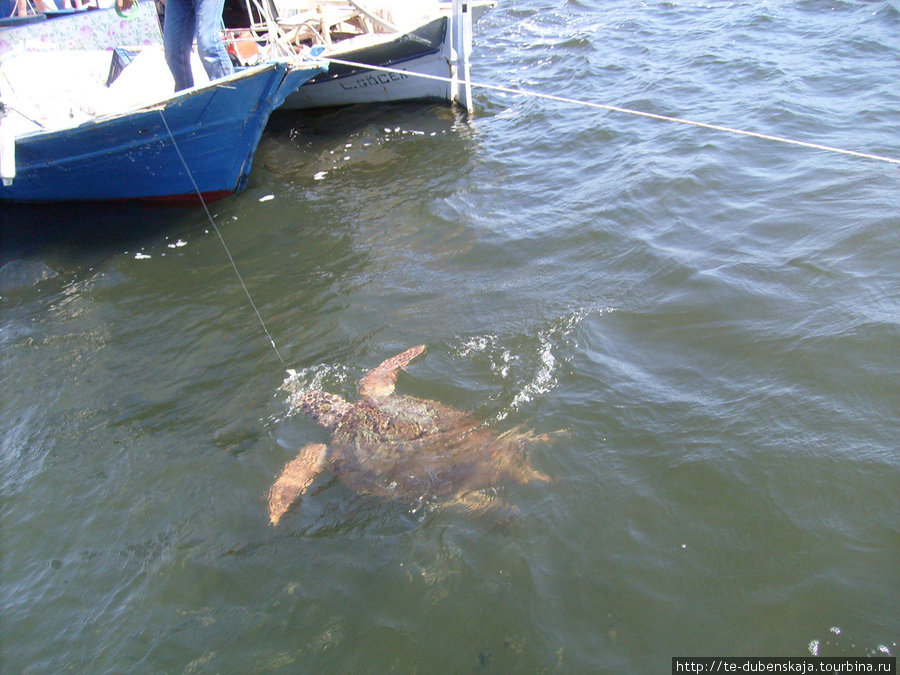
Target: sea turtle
[{"x": 402, "y": 447}]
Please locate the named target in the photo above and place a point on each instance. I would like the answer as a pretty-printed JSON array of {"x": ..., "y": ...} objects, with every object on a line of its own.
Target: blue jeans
[{"x": 184, "y": 19}]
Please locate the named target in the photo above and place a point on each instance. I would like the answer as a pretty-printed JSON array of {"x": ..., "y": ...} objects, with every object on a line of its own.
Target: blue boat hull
[{"x": 216, "y": 128}]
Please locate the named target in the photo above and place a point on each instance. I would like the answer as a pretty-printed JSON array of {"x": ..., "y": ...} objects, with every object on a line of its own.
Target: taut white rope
[{"x": 627, "y": 111}]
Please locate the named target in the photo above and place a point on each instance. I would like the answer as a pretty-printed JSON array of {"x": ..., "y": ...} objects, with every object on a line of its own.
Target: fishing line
[
  {"x": 627, "y": 111},
  {"x": 221, "y": 239}
]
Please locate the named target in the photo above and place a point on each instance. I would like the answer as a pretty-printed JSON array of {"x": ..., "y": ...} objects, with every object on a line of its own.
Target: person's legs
[
  {"x": 178, "y": 39},
  {"x": 209, "y": 39}
]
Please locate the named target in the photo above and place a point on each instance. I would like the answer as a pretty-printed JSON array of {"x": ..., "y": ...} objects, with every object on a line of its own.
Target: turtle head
[{"x": 326, "y": 409}]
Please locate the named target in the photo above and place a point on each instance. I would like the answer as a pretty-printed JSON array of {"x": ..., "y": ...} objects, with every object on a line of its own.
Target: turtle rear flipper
[
  {"x": 295, "y": 478},
  {"x": 380, "y": 381}
]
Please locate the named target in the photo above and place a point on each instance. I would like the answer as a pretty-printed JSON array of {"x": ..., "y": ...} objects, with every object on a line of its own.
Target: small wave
[
  {"x": 325, "y": 377},
  {"x": 544, "y": 378},
  {"x": 18, "y": 274},
  {"x": 528, "y": 364},
  {"x": 320, "y": 376}
]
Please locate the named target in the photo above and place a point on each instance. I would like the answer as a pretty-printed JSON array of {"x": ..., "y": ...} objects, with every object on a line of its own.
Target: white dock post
[
  {"x": 7, "y": 155},
  {"x": 460, "y": 48},
  {"x": 466, "y": 51}
]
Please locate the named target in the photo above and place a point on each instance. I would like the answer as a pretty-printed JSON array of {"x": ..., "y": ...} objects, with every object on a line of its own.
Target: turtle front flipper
[
  {"x": 295, "y": 478},
  {"x": 380, "y": 381}
]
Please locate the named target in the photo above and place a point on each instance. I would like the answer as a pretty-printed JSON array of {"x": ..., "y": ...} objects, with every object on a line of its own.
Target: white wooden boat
[{"x": 415, "y": 37}]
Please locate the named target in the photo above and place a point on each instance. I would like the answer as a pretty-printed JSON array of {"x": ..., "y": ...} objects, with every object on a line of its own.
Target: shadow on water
[
  {"x": 95, "y": 227},
  {"x": 335, "y": 122},
  {"x": 304, "y": 147}
]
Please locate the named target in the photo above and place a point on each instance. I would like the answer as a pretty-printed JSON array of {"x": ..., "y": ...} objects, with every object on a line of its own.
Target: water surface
[{"x": 713, "y": 320}]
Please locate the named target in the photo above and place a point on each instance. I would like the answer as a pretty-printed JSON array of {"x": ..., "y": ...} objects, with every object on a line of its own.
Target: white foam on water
[
  {"x": 839, "y": 642},
  {"x": 530, "y": 365},
  {"x": 327, "y": 377},
  {"x": 332, "y": 378},
  {"x": 544, "y": 378},
  {"x": 531, "y": 368}
]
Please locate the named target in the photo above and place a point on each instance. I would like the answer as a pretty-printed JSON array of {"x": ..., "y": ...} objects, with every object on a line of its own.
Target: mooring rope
[
  {"x": 618, "y": 109},
  {"x": 515, "y": 92},
  {"x": 221, "y": 238}
]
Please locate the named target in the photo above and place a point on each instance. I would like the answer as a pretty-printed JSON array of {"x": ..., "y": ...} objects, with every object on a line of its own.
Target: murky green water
[{"x": 713, "y": 321}]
